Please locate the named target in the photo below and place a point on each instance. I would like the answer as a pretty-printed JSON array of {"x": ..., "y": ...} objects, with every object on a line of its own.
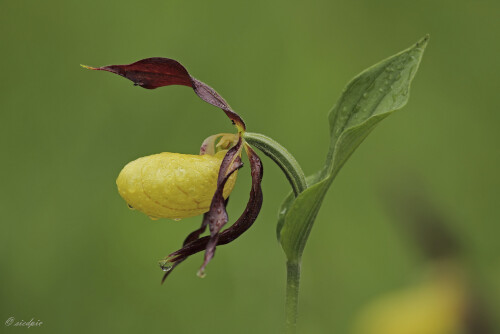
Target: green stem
[
  {"x": 281, "y": 157},
  {"x": 296, "y": 177},
  {"x": 292, "y": 295}
]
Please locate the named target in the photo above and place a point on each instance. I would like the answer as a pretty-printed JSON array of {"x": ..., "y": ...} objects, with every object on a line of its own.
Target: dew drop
[
  {"x": 365, "y": 94},
  {"x": 166, "y": 265},
  {"x": 176, "y": 219}
]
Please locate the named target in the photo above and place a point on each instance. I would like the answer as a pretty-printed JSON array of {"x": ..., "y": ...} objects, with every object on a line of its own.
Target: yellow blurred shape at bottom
[
  {"x": 435, "y": 307},
  {"x": 172, "y": 185}
]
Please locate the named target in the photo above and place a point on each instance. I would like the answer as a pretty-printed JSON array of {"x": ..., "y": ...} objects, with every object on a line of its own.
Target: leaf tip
[
  {"x": 422, "y": 43},
  {"x": 88, "y": 67}
]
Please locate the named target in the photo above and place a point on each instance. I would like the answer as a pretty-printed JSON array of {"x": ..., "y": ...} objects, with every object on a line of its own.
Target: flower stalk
[
  {"x": 292, "y": 295},
  {"x": 280, "y": 155},
  {"x": 293, "y": 172}
]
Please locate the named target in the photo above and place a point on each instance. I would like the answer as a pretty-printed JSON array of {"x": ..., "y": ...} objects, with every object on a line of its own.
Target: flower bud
[{"x": 172, "y": 185}]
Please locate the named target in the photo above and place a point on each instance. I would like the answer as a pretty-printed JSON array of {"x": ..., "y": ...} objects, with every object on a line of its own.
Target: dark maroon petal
[
  {"x": 217, "y": 215},
  {"x": 190, "y": 238},
  {"x": 151, "y": 73},
  {"x": 242, "y": 224},
  {"x": 254, "y": 204},
  {"x": 216, "y": 218},
  {"x": 209, "y": 95},
  {"x": 228, "y": 160}
]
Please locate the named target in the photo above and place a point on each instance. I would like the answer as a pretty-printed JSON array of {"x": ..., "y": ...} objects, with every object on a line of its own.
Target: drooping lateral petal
[
  {"x": 254, "y": 204},
  {"x": 242, "y": 224},
  {"x": 226, "y": 168},
  {"x": 217, "y": 212},
  {"x": 151, "y": 73},
  {"x": 217, "y": 216},
  {"x": 190, "y": 238},
  {"x": 228, "y": 160}
]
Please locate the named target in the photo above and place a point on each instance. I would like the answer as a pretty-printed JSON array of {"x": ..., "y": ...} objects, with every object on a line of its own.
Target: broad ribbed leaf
[{"x": 368, "y": 98}]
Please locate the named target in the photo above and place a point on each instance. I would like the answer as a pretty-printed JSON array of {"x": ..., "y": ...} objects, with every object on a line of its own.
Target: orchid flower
[{"x": 175, "y": 186}]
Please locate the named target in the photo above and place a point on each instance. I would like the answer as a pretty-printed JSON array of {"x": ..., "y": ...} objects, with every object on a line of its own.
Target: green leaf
[
  {"x": 379, "y": 90},
  {"x": 310, "y": 180},
  {"x": 287, "y": 202},
  {"x": 368, "y": 98},
  {"x": 299, "y": 219}
]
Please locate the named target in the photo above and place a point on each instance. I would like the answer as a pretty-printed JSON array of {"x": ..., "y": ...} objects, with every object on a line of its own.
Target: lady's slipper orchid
[
  {"x": 174, "y": 186},
  {"x": 171, "y": 185}
]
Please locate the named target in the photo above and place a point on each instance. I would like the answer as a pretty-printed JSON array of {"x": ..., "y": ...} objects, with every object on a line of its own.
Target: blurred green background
[{"x": 73, "y": 255}]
